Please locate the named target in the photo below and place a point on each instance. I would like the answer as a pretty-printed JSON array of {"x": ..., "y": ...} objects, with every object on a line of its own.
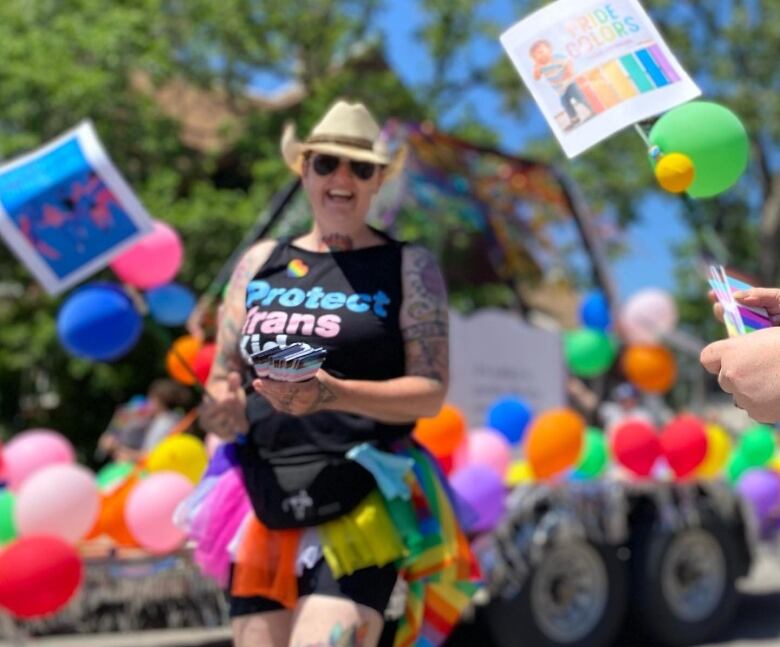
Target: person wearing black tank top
[{"x": 379, "y": 308}]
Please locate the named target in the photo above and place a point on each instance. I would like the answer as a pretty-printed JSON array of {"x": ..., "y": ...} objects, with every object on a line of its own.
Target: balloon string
[{"x": 643, "y": 135}]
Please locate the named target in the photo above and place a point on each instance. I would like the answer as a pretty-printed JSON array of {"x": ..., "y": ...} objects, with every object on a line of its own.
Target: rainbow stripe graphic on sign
[{"x": 622, "y": 78}]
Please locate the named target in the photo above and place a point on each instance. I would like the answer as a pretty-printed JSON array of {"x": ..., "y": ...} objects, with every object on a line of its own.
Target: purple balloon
[
  {"x": 761, "y": 489},
  {"x": 482, "y": 490}
]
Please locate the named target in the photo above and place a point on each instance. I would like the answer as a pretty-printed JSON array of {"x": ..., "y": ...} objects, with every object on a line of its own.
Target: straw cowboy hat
[{"x": 347, "y": 130}]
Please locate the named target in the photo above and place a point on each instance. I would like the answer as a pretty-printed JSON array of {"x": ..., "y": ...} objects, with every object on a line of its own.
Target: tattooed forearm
[{"x": 324, "y": 395}]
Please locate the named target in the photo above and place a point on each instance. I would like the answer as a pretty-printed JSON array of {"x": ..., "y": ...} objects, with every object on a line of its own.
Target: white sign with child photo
[{"x": 595, "y": 68}]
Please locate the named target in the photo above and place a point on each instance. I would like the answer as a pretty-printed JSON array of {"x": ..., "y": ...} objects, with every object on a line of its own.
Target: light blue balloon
[{"x": 170, "y": 304}]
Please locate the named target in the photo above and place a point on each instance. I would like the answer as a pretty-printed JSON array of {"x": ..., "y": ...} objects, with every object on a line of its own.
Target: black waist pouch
[{"x": 301, "y": 491}]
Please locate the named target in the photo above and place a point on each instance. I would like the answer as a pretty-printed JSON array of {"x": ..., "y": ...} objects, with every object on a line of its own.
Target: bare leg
[
  {"x": 267, "y": 629},
  {"x": 326, "y": 621}
]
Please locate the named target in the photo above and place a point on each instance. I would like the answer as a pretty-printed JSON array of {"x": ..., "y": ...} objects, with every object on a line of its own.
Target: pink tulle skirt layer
[{"x": 216, "y": 521}]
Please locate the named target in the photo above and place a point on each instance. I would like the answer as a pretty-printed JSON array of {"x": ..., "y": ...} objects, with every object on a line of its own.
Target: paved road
[
  {"x": 758, "y": 617},
  {"x": 757, "y": 623}
]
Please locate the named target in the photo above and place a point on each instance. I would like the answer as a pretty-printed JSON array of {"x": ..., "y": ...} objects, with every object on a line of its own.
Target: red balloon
[
  {"x": 38, "y": 576},
  {"x": 201, "y": 365},
  {"x": 635, "y": 445},
  {"x": 446, "y": 463},
  {"x": 684, "y": 444}
]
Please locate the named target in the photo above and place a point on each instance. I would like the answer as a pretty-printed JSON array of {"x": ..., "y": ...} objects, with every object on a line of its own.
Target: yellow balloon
[
  {"x": 774, "y": 464},
  {"x": 181, "y": 453},
  {"x": 519, "y": 472},
  {"x": 675, "y": 172},
  {"x": 718, "y": 452}
]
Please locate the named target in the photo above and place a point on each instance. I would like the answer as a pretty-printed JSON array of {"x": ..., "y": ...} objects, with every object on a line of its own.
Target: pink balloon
[
  {"x": 32, "y": 450},
  {"x": 486, "y": 447},
  {"x": 647, "y": 316},
  {"x": 153, "y": 261},
  {"x": 150, "y": 507},
  {"x": 58, "y": 500}
]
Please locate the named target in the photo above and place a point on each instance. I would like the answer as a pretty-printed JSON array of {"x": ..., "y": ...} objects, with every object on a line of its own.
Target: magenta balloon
[
  {"x": 150, "y": 507},
  {"x": 647, "y": 316},
  {"x": 153, "y": 261},
  {"x": 32, "y": 450},
  {"x": 483, "y": 492},
  {"x": 486, "y": 447},
  {"x": 58, "y": 500}
]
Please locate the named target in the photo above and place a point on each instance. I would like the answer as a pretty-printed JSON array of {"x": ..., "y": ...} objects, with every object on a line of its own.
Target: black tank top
[{"x": 346, "y": 302}]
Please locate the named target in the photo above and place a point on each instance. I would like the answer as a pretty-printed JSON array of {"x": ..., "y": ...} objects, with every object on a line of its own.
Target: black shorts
[{"x": 370, "y": 587}]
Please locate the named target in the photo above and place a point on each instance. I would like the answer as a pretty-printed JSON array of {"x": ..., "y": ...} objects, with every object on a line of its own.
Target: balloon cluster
[
  {"x": 50, "y": 504},
  {"x": 101, "y": 321},
  {"x": 700, "y": 148},
  {"x": 643, "y": 321},
  {"x": 482, "y": 462}
]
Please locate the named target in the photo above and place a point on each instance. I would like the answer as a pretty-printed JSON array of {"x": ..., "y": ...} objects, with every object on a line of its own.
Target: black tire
[
  {"x": 683, "y": 582},
  {"x": 537, "y": 616}
]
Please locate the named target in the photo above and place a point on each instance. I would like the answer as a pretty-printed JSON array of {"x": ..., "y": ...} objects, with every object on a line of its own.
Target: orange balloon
[
  {"x": 554, "y": 441},
  {"x": 97, "y": 527},
  {"x": 180, "y": 360},
  {"x": 652, "y": 369},
  {"x": 442, "y": 434},
  {"x": 112, "y": 514}
]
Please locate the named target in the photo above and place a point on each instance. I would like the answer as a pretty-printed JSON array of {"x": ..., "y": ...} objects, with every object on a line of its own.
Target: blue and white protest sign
[{"x": 66, "y": 211}]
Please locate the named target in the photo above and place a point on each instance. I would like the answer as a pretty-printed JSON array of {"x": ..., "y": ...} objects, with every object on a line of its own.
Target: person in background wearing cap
[
  {"x": 747, "y": 366},
  {"x": 379, "y": 308},
  {"x": 624, "y": 403}
]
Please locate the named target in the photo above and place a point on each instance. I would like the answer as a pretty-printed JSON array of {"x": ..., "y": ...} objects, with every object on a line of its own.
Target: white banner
[
  {"x": 493, "y": 353},
  {"x": 595, "y": 68}
]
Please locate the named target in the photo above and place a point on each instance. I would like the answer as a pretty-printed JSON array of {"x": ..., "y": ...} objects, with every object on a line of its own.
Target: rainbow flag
[{"x": 753, "y": 318}]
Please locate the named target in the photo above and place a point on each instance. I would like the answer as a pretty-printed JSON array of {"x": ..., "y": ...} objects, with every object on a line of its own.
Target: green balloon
[
  {"x": 113, "y": 474},
  {"x": 712, "y": 137},
  {"x": 8, "y": 530},
  {"x": 588, "y": 352},
  {"x": 757, "y": 445},
  {"x": 737, "y": 465},
  {"x": 594, "y": 456}
]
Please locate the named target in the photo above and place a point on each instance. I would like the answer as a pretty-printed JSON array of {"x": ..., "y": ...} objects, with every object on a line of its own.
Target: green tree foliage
[
  {"x": 64, "y": 61},
  {"x": 728, "y": 48}
]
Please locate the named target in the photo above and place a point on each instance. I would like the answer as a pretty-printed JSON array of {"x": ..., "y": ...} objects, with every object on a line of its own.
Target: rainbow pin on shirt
[{"x": 297, "y": 269}]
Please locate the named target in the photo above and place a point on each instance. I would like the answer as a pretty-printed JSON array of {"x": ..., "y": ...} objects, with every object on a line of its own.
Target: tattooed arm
[
  {"x": 224, "y": 414},
  {"x": 424, "y": 325}
]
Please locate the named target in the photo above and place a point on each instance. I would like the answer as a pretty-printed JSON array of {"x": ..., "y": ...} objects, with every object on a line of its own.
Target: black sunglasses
[{"x": 326, "y": 164}]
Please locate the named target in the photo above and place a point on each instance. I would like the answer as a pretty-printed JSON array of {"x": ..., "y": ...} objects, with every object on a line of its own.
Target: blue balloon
[
  {"x": 170, "y": 304},
  {"x": 98, "y": 322},
  {"x": 594, "y": 311},
  {"x": 509, "y": 415}
]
